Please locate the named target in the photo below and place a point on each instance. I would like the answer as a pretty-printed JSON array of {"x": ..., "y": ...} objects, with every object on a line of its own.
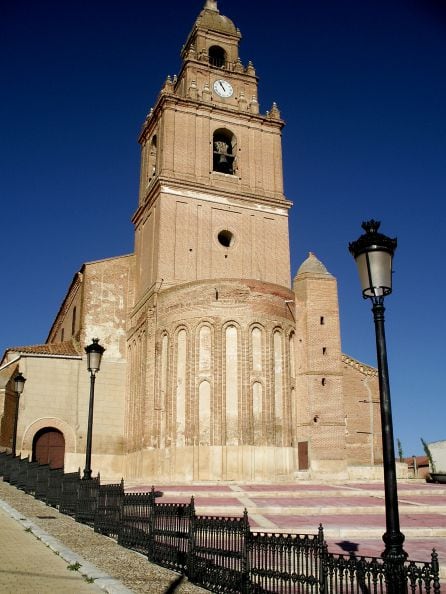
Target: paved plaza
[{"x": 352, "y": 514}]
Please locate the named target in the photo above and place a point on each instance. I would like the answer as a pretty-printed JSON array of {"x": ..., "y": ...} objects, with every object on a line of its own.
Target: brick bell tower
[{"x": 211, "y": 392}]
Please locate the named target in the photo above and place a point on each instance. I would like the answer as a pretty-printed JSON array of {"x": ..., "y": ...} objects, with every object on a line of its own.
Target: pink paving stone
[
  {"x": 316, "y": 501},
  {"x": 183, "y": 488},
  {"x": 425, "y": 499},
  {"x": 295, "y": 488},
  {"x": 203, "y": 501},
  {"x": 401, "y": 486},
  {"x": 355, "y": 520},
  {"x": 195, "y": 488}
]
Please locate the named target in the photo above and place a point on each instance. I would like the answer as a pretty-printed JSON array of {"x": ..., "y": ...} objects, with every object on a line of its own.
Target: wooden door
[
  {"x": 302, "y": 452},
  {"x": 49, "y": 448}
]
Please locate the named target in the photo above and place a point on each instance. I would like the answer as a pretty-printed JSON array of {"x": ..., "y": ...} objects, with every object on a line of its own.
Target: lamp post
[
  {"x": 19, "y": 384},
  {"x": 373, "y": 253},
  {"x": 94, "y": 355}
]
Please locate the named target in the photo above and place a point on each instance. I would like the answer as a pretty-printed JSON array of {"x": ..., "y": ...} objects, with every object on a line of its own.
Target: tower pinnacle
[{"x": 211, "y": 5}]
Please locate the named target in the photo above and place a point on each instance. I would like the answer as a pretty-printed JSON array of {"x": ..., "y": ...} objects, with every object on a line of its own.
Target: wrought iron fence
[
  {"x": 220, "y": 553},
  {"x": 9, "y": 467},
  {"x": 55, "y": 478},
  {"x": 108, "y": 512},
  {"x": 41, "y": 490},
  {"x": 31, "y": 477},
  {"x": 69, "y": 493},
  {"x": 285, "y": 562},
  {"x": 134, "y": 529},
  {"x": 369, "y": 575},
  {"x": 22, "y": 472},
  {"x": 169, "y": 534},
  {"x": 87, "y": 500}
]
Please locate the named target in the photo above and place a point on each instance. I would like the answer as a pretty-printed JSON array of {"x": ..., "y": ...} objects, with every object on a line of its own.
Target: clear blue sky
[{"x": 362, "y": 87}]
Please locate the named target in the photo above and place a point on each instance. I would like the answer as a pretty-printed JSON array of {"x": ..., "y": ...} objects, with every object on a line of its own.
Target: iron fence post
[
  {"x": 322, "y": 550},
  {"x": 245, "y": 560}
]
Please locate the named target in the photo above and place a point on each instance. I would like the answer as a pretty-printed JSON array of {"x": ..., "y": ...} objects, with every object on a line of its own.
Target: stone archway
[
  {"x": 53, "y": 423},
  {"x": 49, "y": 447}
]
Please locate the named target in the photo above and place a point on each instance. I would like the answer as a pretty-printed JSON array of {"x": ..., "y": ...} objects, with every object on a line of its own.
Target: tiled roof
[
  {"x": 67, "y": 348},
  {"x": 421, "y": 460}
]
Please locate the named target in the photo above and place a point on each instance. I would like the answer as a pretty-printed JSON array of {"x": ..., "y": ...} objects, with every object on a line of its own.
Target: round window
[{"x": 225, "y": 238}]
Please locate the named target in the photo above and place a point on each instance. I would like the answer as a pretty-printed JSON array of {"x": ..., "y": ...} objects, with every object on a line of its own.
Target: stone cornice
[
  {"x": 362, "y": 367},
  {"x": 169, "y": 100}
]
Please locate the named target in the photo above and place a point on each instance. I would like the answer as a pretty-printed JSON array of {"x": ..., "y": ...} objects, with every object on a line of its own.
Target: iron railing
[
  {"x": 69, "y": 493},
  {"x": 136, "y": 517},
  {"x": 41, "y": 488},
  {"x": 87, "y": 500},
  {"x": 55, "y": 478},
  {"x": 108, "y": 511},
  {"x": 286, "y": 562},
  {"x": 169, "y": 534},
  {"x": 220, "y": 553}
]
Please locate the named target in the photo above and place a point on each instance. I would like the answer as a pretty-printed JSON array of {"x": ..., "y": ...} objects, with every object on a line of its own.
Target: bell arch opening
[
  {"x": 224, "y": 145},
  {"x": 217, "y": 56}
]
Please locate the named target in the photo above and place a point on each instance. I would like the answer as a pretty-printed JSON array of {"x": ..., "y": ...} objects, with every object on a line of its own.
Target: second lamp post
[
  {"x": 19, "y": 384},
  {"x": 94, "y": 355},
  {"x": 373, "y": 253}
]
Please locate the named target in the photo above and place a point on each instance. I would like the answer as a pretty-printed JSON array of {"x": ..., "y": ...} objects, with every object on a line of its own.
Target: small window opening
[
  {"x": 73, "y": 322},
  {"x": 217, "y": 56},
  {"x": 62, "y": 335},
  {"x": 225, "y": 238},
  {"x": 322, "y": 320},
  {"x": 323, "y": 381},
  {"x": 324, "y": 350}
]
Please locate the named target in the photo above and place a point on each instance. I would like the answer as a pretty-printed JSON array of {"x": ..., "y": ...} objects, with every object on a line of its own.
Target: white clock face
[{"x": 223, "y": 88}]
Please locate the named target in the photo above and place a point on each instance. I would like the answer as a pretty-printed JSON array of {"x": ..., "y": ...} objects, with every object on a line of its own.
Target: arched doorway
[{"x": 49, "y": 447}]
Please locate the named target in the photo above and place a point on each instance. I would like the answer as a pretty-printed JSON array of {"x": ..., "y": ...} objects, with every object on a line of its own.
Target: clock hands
[{"x": 223, "y": 88}]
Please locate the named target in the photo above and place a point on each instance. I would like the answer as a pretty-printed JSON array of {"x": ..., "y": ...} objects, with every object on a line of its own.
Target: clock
[{"x": 223, "y": 88}]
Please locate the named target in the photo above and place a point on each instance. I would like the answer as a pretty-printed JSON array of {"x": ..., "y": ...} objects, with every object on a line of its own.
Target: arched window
[
  {"x": 152, "y": 157},
  {"x": 217, "y": 56},
  {"x": 224, "y": 151}
]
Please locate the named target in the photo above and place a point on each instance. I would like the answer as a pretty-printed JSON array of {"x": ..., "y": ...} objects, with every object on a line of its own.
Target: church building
[{"x": 217, "y": 366}]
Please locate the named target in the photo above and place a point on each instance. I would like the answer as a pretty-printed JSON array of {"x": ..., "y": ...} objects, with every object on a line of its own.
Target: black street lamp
[
  {"x": 94, "y": 355},
  {"x": 373, "y": 253},
  {"x": 19, "y": 384}
]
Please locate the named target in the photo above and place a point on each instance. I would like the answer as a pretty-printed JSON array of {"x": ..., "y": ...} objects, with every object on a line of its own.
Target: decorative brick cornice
[{"x": 362, "y": 367}]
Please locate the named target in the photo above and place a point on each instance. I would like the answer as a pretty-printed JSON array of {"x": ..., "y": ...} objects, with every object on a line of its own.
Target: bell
[{"x": 222, "y": 159}]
